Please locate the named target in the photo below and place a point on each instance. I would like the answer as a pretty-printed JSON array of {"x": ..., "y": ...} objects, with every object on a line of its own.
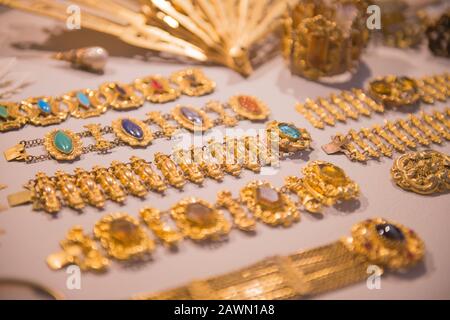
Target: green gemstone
[
  {"x": 63, "y": 142},
  {"x": 3, "y": 112}
]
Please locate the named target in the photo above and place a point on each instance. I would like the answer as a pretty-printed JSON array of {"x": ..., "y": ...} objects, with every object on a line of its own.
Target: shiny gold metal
[
  {"x": 377, "y": 129},
  {"x": 68, "y": 149},
  {"x": 157, "y": 118},
  {"x": 368, "y": 150},
  {"x": 147, "y": 174},
  {"x": 121, "y": 96},
  {"x": 425, "y": 129},
  {"x": 249, "y": 107},
  {"x": 129, "y": 181},
  {"x": 308, "y": 114},
  {"x": 193, "y": 82},
  {"x": 423, "y": 172},
  {"x": 241, "y": 219},
  {"x": 191, "y": 118},
  {"x": 123, "y": 237},
  {"x": 269, "y": 204},
  {"x": 96, "y": 103},
  {"x": 169, "y": 170},
  {"x": 386, "y": 244},
  {"x": 157, "y": 89},
  {"x": 143, "y": 139},
  {"x": 11, "y": 118},
  {"x": 322, "y": 184},
  {"x": 44, "y": 111},
  {"x": 69, "y": 191},
  {"x": 78, "y": 249},
  {"x": 109, "y": 184},
  {"x": 101, "y": 144},
  {"x": 318, "y": 42},
  {"x": 89, "y": 189},
  {"x": 153, "y": 219},
  {"x": 199, "y": 220},
  {"x": 192, "y": 170}
]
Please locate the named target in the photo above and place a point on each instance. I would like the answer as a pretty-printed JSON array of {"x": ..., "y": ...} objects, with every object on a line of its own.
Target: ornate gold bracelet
[
  {"x": 423, "y": 172},
  {"x": 387, "y": 92},
  {"x": 139, "y": 176},
  {"x": 377, "y": 244},
  {"x": 86, "y": 103},
  {"x": 123, "y": 238},
  {"x": 66, "y": 145},
  {"x": 399, "y": 135}
]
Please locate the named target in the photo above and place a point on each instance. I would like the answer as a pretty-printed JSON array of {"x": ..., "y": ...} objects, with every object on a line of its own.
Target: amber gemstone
[
  {"x": 201, "y": 215},
  {"x": 123, "y": 230},
  {"x": 249, "y": 104},
  {"x": 381, "y": 87},
  {"x": 331, "y": 174},
  {"x": 268, "y": 197}
]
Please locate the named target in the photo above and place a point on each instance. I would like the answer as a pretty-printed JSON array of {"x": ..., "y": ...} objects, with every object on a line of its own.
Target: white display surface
[{"x": 30, "y": 236}]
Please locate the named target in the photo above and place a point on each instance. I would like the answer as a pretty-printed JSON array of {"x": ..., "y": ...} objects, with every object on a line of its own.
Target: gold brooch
[
  {"x": 123, "y": 237},
  {"x": 322, "y": 184},
  {"x": 44, "y": 111},
  {"x": 249, "y": 107},
  {"x": 373, "y": 243},
  {"x": 86, "y": 103},
  {"x": 394, "y": 91},
  {"x": 157, "y": 89},
  {"x": 423, "y": 172},
  {"x": 63, "y": 145},
  {"x": 132, "y": 131},
  {"x": 193, "y": 82}
]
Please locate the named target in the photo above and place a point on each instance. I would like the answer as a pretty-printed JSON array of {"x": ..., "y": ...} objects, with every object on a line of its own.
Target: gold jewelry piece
[
  {"x": 140, "y": 176},
  {"x": 424, "y": 172},
  {"x": 382, "y": 93},
  {"x": 65, "y": 145},
  {"x": 123, "y": 238},
  {"x": 91, "y": 58},
  {"x": 211, "y": 32},
  {"x": 86, "y": 103},
  {"x": 390, "y": 246},
  {"x": 399, "y": 135},
  {"x": 318, "y": 42},
  {"x": 78, "y": 249},
  {"x": 322, "y": 184}
]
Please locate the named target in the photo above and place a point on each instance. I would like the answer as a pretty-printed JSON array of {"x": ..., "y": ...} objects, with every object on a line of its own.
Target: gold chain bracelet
[
  {"x": 387, "y": 92},
  {"x": 123, "y": 238},
  {"x": 66, "y": 145},
  {"x": 139, "y": 176},
  {"x": 373, "y": 243},
  {"x": 86, "y": 103},
  {"x": 399, "y": 135}
]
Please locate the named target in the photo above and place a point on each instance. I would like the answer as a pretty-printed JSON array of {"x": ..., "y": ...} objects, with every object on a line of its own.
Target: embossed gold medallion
[
  {"x": 63, "y": 144},
  {"x": 198, "y": 220},
  {"x": 132, "y": 131},
  {"x": 269, "y": 204},
  {"x": 423, "y": 172},
  {"x": 191, "y": 118},
  {"x": 395, "y": 91},
  {"x": 322, "y": 184},
  {"x": 249, "y": 107},
  {"x": 123, "y": 237}
]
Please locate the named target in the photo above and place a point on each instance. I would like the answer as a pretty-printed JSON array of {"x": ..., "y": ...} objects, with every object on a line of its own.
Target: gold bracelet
[
  {"x": 123, "y": 237},
  {"x": 66, "y": 145},
  {"x": 86, "y": 103},
  {"x": 316, "y": 41},
  {"x": 373, "y": 243},
  {"x": 399, "y": 135},
  {"x": 139, "y": 176},
  {"x": 423, "y": 172},
  {"x": 382, "y": 93}
]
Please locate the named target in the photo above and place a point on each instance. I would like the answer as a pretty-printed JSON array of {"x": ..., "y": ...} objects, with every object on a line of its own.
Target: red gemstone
[
  {"x": 249, "y": 104},
  {"x": 156, "y": 85}
]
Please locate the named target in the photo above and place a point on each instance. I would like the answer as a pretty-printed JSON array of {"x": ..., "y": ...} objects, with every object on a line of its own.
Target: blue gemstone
[
  {"x": 44, "y": 106},
  {"x": 192, "y": 115},
  {"x": 289, "y": 130},
  {"x": 390, "y": 232},
  {"x": 83, "y": 99},
  {"x": 132, "y": 129}
]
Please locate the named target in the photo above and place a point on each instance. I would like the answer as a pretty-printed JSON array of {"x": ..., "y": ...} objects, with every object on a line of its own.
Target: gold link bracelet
[
  {"x": 66, "y": 145},
  {"x": 87, "y": 103},
  {"x": 382, "y": 93},
  {"x": 399, "y": 135}
]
